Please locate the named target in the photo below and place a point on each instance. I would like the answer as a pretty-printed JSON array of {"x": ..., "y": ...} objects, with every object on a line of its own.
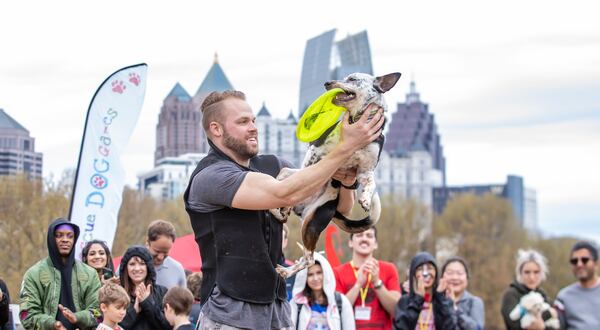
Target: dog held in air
[{"x": 359, "y": 91}]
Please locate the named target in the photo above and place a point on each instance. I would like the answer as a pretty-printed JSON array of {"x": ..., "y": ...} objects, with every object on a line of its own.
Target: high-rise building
[
  {"x": 179, "y": 129},
  {"x": 413, "y": 128},
  {"x": 325, "y": 59},
  {"x": 523, "y": 200},
  {"x": 17, "y": 149},
  {"x": 278, "y": 136}
]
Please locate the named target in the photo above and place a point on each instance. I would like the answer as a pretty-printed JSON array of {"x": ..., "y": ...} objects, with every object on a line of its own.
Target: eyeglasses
[{"x": 575, "y": 261}]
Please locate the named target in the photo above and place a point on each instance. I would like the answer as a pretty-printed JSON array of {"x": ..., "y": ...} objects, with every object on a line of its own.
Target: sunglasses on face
[{"x": 575, "y": 261}]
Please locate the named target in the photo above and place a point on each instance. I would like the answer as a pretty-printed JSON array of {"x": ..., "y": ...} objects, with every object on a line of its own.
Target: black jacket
[
  {"x": 410, "y": 305},
  {"x": 511, "y": 298},
  {"x": 5, "y": 317},
  {"x": 239, "y": 248},
  {"x": 151, "y": 316}
]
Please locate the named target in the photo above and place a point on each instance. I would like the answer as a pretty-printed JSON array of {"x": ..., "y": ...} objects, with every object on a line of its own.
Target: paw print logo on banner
[
  {"x": 118, "y": 86},
  {"x": 99, "y": 181},
  {"x": 134, "y": 78}
]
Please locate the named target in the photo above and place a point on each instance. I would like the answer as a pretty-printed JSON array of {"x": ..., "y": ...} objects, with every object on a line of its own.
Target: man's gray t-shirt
[
  {"x": 213, "y": 189},
  {"x": 582, "y": 306},
  {"x": 170, "y": 273}
]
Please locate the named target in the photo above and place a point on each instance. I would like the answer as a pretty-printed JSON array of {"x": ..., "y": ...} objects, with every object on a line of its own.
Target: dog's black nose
[{"x": 328, "y": 84}]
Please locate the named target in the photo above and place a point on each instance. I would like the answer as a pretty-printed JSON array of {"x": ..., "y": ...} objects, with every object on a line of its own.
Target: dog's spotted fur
[{"x": 360, "y": 91}]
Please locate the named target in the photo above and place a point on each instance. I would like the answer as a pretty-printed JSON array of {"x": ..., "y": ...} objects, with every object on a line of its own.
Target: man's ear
[
  {"x": 384, "y": 83},
  {"x": 215, "y": 128}
]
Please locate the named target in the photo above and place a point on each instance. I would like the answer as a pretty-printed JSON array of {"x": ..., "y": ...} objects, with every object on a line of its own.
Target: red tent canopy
[{"x": 185, "y": 250}]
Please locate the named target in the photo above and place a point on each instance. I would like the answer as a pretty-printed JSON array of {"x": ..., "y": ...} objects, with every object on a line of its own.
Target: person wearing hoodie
[
  {"x": 138, "y": 276},
  {"x": 530, "y": 272},
  {"x": 424, "y": 307},
  {"x": 315, "y": 302},
  {"x": 59, "y": 292}
]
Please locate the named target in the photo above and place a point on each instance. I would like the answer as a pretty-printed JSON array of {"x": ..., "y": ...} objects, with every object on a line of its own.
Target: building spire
[
  {"x": 413, "y": 95},
  {"x": 216, "y": 60}
]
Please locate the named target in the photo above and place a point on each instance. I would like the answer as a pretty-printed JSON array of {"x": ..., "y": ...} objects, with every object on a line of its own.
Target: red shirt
[{"x": 345, "y": 280}]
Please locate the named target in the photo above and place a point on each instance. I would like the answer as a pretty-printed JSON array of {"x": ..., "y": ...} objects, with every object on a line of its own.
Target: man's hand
[
  {"x": 372, "y": 267},
  {"x": 361, "y": 277},
  {"x": 346, "y": 176},
  {"x": 364, "y": 131},
  {"x": 69, "y": 315},
  {"x": 59, "y": 326}
]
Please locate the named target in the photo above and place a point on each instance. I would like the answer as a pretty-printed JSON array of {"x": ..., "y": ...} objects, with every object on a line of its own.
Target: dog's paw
[
  {"x": 365, "y": 203},
  {"x": 281, "y": 213},
  {"x": 283, "y": 271}
]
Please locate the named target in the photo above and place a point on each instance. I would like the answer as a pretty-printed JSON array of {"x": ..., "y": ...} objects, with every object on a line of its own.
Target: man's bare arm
[{"x": 260, "y": 191}]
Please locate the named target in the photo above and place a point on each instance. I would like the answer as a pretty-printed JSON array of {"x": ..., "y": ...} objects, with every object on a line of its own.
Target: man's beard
[{"x": 239, "y": 146}]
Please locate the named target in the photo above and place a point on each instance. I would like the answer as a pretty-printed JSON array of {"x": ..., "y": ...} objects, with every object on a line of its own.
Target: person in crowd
[
  {"x": 178, "y": 304},
  {"x": 239, "y": 239},
  {"x": 531, "y": 271},
  {"x": 59, "y": 292},
  {"x": 114, "y": 301},
  {"x": 316, "y": 304},
  {"x": 579, "y": 303},
  {"x": 5, "y": 316},
  {"x": 138, "y": 277},
  {"x": 194, "y": 282},
  {"x": 470, "y": 310},
  {"x": 160, "y": 239},
  {"x": 371, "y": 285},
  {"x": 96, "y": 254},
  {"x": 424, "y": 307}
]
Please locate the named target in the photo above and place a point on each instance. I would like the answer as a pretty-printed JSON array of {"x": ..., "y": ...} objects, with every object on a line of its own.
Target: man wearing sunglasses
[{"x": 579, "y": 303}]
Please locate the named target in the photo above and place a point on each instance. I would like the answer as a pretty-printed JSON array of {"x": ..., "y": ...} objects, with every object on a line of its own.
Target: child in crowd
[
  {"x": 178, "y": 304},
  {"x": 114, "y": 301}
]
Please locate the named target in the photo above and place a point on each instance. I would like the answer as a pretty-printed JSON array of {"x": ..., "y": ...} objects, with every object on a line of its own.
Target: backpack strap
[
  {"x": 298, "y": 315},
  {"x": 338, "y": 302}
]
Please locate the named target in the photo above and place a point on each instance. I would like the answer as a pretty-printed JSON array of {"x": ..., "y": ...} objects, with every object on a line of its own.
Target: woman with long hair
[
  {"x": 315, "y": 303},
  {"x": 138, "y": 277},
  {"x": 96, "y": 254}
]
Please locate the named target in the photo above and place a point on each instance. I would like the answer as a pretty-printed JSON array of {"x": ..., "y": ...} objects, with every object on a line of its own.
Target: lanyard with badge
[{"x": 362, "y": 312}]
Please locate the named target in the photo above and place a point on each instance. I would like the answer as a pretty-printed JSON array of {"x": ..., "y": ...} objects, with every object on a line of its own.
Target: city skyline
[{"x": 513, "y": 86}]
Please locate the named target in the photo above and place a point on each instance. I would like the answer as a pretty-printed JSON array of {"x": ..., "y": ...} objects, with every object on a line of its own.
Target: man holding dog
[
  {"x": 228, "y": 199},
  {"x": 579, "y": 303},
  {"x": 371, "y": 285}
]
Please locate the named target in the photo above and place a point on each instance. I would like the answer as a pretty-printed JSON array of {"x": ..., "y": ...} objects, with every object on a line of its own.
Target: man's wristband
[{"x": 352, "y": 187}]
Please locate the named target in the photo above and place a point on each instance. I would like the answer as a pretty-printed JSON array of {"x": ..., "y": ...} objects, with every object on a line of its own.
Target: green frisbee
[{"x": 319, "y": 116}]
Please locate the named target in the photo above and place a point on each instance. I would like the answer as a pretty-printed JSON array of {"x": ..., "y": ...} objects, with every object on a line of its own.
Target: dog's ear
[{"x": 384, "y": 83}]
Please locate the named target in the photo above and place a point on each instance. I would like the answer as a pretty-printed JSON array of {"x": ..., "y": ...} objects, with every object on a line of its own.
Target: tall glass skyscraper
[{"x": 326, "y": 59}]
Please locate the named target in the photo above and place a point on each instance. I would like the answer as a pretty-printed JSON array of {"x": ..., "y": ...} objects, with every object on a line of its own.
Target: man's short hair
[
  {"x": 158, "y": 228},
  {"x": 194, "y": 282},
  {"x": 113, "y": 294},
  {"x": 372, "y": 227},
  {"x": 211, "y": 107},
  {"x": 180, "y": 299},
  {"x": 591, "y": 247}
]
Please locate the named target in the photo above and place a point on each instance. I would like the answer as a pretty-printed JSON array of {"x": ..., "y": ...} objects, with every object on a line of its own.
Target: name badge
[{"x": 362, "y": 313}]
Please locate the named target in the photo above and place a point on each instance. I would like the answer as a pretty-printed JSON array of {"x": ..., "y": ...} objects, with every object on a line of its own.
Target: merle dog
[{"x": 360, "y": 90}]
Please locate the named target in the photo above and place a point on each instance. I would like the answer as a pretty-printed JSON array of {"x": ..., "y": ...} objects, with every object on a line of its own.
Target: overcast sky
[{"x": 514, "y": 85}]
